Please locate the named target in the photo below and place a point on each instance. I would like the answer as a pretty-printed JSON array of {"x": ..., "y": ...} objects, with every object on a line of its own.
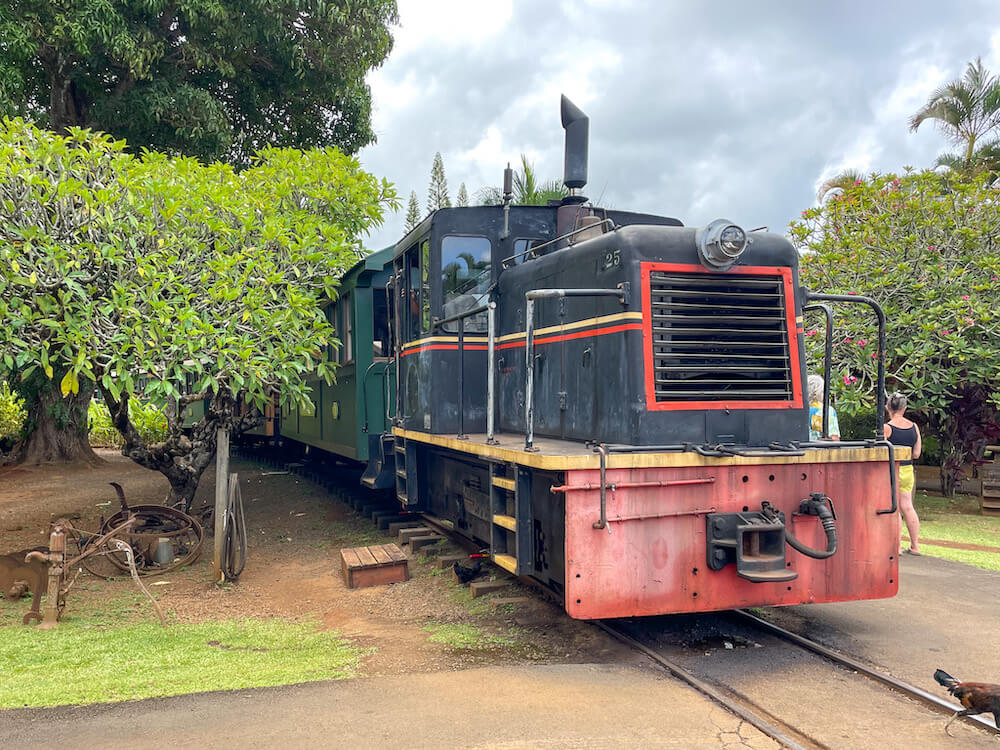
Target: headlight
[{"x": 721, "y": 243}]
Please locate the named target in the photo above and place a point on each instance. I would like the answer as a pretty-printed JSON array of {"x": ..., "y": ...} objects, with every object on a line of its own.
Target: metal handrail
[
  {"x": 364, "y": 389},
  {"x": 827, "y": 362},
  {"x": 529, "y": 343},
  {"x": 858, "y": 299}
]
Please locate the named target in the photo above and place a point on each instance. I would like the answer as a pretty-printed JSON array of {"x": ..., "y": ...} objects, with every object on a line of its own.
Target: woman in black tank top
[{"x": 901, "y": 432}]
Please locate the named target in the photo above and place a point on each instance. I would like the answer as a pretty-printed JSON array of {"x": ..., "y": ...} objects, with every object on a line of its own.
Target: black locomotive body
[{"x": 613, "y": 404}]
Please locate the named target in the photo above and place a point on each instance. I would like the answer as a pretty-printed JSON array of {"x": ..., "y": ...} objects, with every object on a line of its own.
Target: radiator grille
[{"x": 719, "y": 337}]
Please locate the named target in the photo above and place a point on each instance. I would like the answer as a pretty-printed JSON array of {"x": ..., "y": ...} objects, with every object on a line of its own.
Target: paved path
[{"x": 564, "y": 706}]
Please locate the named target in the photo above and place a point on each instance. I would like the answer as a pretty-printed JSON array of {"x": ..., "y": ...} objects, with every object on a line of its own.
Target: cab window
[
  {"x": 521, "y": 248},
  {"x": 465, "y": 279}
]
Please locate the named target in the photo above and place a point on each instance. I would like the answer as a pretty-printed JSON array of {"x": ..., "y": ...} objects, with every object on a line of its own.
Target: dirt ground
[{"x": 296, "y": 530}]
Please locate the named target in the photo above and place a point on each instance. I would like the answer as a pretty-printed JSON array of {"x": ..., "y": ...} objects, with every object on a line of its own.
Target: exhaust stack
[{"x": 577, "y": 127}]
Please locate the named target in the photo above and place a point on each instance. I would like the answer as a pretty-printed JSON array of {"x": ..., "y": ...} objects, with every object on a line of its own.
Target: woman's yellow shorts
[{"x": 906, "y": 480}]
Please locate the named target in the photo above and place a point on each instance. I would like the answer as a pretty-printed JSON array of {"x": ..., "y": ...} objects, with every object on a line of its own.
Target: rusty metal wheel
[{"x": 156, "y": 526}]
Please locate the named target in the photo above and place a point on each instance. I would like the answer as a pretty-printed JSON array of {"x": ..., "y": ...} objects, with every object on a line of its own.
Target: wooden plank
[
  {"x": 406, "y": 534},
  {"x": 507, "y": 484},
  {"x": 481, "y": 588},
  {"x": 508, "y": 522},
  {"x": 349, "y": 558},
  {"x": 394, "y": 528},
  {"x": 418, "y": 542},
  {"x": 394, "y": 552},
  {"x": 380, "y": 555},
  {"x": 446, "y": 561},
  {"x": 366, "y": 557},
  {"x": 365, "y": 577},
  {"x": 385, "y": 521}
]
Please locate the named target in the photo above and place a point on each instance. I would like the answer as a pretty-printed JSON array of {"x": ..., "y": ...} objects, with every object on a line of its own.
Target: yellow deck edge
[{"x": 476, "y": 445}]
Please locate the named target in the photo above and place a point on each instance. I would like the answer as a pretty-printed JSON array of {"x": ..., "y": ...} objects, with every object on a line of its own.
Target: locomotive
[{"x": 609, "y": 402}]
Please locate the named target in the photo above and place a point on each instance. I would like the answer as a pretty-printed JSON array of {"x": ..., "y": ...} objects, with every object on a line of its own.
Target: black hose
[
  {"x": 816, "y": 506},
  {"x": 234, "y": 533}
]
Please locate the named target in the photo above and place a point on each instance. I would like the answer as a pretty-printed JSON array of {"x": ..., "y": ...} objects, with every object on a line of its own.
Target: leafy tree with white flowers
[
  {"x": 926, "y": 247},
  {"x": 165, "y": 280}
]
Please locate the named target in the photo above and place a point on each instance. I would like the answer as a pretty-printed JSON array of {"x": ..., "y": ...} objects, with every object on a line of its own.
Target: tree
[
  {"x": 528, "y": 191},
  {"x": 437, "y": 191},
  {"x": 842, "y": 180},
  {"x": 170, "y": 281},
  {"x": 216, "y": 79},
  {"x": 965, "y": 110},
  {"x": 412, "y": 211},
  {"x": 463, "y": 196},
  {"x": 925, "y": 247},
  {"x": 206, "y": 78}
]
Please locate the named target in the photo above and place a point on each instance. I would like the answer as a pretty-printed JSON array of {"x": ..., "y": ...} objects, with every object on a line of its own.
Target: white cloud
[{"x": 697, "y": 110}]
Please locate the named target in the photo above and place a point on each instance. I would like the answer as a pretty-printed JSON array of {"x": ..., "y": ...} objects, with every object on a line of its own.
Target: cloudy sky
[{"x": 698, "y": 110}]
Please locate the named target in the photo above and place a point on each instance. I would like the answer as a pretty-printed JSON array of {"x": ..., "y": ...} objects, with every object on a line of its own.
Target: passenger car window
[{"x": 465, "y": 279}]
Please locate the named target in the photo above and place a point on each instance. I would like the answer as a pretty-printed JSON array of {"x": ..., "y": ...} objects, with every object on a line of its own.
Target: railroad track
[
  {"x": 786, "y": 732},
  {"x": 766, "y": 720}
]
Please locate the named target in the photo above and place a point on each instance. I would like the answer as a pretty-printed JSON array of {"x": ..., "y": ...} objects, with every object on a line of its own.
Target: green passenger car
[{"x": 348, "y": 417}]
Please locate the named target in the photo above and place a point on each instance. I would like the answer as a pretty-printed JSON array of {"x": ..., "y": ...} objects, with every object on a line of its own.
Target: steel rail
[
  {"x": 929, "y": 699},
  {"x": 703, "y": 687}
]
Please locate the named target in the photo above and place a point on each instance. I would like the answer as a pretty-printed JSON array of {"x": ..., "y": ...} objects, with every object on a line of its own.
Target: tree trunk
[
  {"x": 56, "y": 427},
  {"x": 181, "y": 458}
]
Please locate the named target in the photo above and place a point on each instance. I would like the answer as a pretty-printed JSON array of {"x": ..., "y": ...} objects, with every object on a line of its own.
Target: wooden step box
[{"x": 373, "y": 566}]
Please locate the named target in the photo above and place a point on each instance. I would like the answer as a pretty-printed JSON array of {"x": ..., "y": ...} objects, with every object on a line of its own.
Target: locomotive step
[
  {"x": 507, "y": 562},
  {"x": 507, "y": 484},
  {"x": 508, "y": 522}
]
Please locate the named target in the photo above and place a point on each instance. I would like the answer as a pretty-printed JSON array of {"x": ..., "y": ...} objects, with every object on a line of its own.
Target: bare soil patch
[{"x": 296, "y": 530}]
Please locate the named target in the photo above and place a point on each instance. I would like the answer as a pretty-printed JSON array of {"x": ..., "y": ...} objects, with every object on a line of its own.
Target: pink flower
[
  {"x": 858, "y": 182},
  {"x": 874, "y": 354},
  {"x": 965, "y": 296},
  {"x": 944, "y": 331},
  {"x": 862, "y": 342},
  {"x": 848, "y": 341},
  {"x": 896, "y": 182},
  {"x": 850, "y": 379},
  {"x": 813, "y": 332},
  {"x": 970, "y": 321}
]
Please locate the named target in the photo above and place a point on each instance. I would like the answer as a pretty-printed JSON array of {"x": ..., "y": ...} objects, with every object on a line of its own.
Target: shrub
[
  {"x": 147, "y": 418},
  {"x": 11, "y": 416}
]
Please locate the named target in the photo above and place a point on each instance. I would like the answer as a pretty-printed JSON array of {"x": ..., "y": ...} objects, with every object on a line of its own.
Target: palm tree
[
  {"x": 965, "y": 110},
  {"x": 528, "y": 191},
  {"x": 843, "y": 180}
]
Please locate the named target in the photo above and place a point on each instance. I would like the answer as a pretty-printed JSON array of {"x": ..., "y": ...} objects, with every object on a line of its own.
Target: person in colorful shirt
[{"x": 816, "y": 388}]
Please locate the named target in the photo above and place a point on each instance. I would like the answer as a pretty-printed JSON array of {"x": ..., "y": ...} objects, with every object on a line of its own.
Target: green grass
[
  {"x": 85, "y": 661},
  {"x": 465, "y": 636},
  {"x": 957, "y": 520}
]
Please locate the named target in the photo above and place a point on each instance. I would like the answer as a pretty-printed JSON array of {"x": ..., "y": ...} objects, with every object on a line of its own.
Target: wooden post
[{"x": 221, "y": 495}]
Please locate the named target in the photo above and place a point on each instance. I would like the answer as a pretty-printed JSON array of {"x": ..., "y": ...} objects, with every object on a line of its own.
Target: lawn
[
  {"x": 105, "y": 655},
  {"x": 957, "y": 520}
]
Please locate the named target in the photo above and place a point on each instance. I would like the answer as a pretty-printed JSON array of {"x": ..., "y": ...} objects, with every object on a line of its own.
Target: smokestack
[{"x": 577, "y": 126}]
